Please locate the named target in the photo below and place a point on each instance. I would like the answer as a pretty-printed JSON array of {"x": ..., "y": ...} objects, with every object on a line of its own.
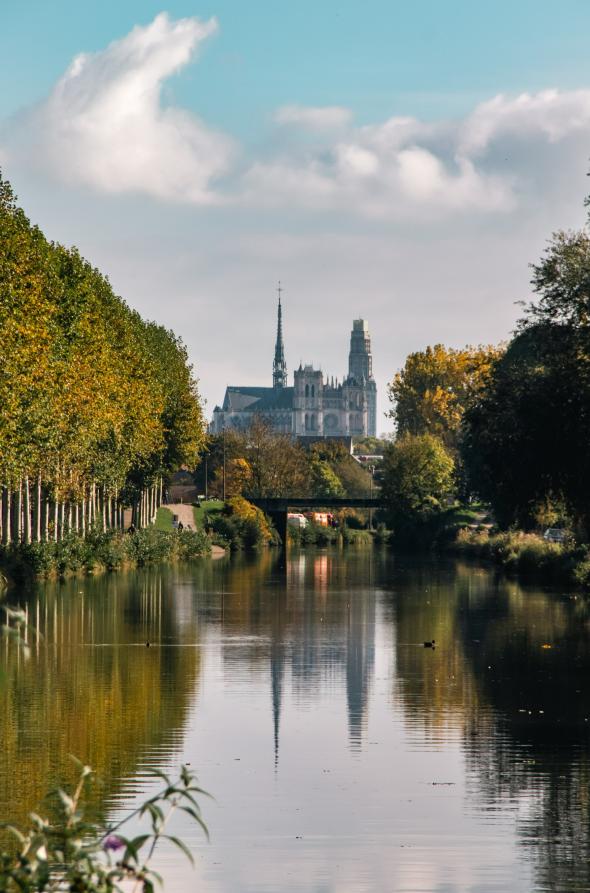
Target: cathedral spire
[{"x": 279, "y": 366}]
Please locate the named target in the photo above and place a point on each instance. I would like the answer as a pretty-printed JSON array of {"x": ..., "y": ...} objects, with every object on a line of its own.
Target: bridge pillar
[{"x": 279, "y": 520}]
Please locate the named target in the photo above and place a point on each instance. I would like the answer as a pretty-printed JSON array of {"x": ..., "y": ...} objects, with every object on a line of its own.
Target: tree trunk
[
  {"x": 27, "y": 512},
  {"x": 38, "y": 496},
  {"x": 45, "y": 518},
  {"x": 17, "y": 513},
  {"x": 8, "y": 516}
]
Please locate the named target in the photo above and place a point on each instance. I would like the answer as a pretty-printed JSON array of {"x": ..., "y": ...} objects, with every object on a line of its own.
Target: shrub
[
  {"x": 528, "y": 554},
  {"x": 227, "y": 529},
  {"x": 243, "y": 526},
  {"x": 72, "y": 853},
  {"x": 381, "y": 536},
  {"x": 110, "y": 550},
  {"x": 148, "y": 545},
  {"x": 191, "y": 544}
]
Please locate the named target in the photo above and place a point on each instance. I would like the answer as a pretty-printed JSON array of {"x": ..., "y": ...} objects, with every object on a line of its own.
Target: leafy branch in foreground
[{"x": 72, "y": 854}]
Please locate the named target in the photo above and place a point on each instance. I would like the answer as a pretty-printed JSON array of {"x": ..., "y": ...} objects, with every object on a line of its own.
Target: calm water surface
[{"x": 342, "y": 755}]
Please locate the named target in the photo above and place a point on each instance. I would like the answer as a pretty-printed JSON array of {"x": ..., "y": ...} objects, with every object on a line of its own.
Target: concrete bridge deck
[{"x": 311, "y": 503}]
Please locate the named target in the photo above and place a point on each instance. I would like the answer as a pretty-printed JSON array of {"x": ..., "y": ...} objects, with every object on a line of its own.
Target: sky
[{"x": 399, "y": 162}]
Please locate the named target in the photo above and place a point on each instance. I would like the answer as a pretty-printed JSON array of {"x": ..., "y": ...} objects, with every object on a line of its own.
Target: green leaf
[
  {"x": 133, "y": 846},
  {"x": 181, "y": 846}
]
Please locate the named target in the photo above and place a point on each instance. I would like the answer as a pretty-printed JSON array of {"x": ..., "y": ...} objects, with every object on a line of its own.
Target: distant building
[{"x": 315, "y": 406}]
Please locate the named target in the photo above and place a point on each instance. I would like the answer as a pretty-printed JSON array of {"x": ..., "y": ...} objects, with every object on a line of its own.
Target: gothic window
[
  {"x": 306, "y": 422},
  {"x": 307, "y": 390},
  {"x": 313, "y": 390},
  {"x": 313, "y": 422}
]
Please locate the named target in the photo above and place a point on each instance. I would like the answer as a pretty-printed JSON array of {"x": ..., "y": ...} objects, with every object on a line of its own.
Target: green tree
[
  {"x": 418, "y": 473},
  {"x": 324, "y": 480},
  {"x": 373, "y": 446},
  {"x": 525, "y": 439},
  {"x": 355, "y": 481}
]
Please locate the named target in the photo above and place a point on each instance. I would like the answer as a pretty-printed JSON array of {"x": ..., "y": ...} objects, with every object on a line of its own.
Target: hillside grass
[
  {"x": 207, "y": 507},
  {"x": 163, "y": 519}
]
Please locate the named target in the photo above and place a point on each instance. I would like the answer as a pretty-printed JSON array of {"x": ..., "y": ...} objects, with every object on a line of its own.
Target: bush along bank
[
  {"x": 100, "y": 550},
  {"x": 528, "y": 555},
  {"x": 241, "y": 525},
  {"x": 318, "y": 535}
]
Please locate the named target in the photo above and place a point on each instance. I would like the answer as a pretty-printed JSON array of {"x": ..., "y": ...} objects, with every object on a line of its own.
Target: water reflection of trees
[
  {"x": 539, "y": 753},
  {"x": 90, "y": 686},
  {"x": 522, "y": 709}
]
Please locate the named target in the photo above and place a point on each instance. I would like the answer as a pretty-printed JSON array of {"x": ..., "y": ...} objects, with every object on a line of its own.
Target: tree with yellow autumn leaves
[
  {"x": 436, "y": 386},
  {"x": 96, "y": 404}
]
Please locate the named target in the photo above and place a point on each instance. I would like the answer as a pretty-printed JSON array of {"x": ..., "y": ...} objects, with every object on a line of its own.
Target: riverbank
[
  {"x": 102, "y": 551},
  {"x": 318, "y": 535},
  {"x": 527, "y": 555}
]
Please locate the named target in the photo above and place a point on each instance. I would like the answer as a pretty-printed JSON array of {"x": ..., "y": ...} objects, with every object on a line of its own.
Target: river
[{"x": 341, "y": 754}]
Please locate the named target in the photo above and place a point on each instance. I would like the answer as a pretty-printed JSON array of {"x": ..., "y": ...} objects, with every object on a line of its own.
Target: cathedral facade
[{"x": 315, "y": 405}]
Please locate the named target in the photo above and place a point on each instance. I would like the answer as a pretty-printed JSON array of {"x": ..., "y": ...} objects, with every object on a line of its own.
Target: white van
[{"x": 296, "y": 519}]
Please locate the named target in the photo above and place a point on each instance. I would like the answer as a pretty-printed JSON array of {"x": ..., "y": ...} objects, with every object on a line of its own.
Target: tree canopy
[
  {"x": 526, "y": 437},
  {"x": 435, "y": 387},
  {"x": 90, "y": 394},
  {"x": 418, "y": 473}
]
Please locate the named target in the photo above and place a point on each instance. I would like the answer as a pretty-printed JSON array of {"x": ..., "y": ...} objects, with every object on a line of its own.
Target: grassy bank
[
  {"x": 102, "y": 551},
  {"x": 206, "y": 510},
  {"x": 202, "y": 514},
  {"x": 527, "y": 554}
]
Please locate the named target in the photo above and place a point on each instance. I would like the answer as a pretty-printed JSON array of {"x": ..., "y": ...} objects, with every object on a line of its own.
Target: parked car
[{"x": 555, "y": 535}]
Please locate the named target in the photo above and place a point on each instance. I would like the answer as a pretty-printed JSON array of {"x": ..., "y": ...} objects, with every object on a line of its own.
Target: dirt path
[{"x": 184, "y": 512}]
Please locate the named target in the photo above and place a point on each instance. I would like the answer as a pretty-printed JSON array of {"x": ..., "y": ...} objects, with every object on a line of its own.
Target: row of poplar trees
[{"x": 96, "y": 404}]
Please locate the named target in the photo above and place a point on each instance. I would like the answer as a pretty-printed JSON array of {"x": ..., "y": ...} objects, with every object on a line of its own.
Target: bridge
[{"x": 278, "y": 507}]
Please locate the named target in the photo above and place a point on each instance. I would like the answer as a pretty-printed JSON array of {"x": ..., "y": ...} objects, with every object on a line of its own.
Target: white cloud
[
  {"x": 325, "y": 117},
  {"x": 404, "y": 168},
  {"x": 424, "y": 227},
  {"x": 104, "y": 123},
  {"x": 550, "y": 114}
]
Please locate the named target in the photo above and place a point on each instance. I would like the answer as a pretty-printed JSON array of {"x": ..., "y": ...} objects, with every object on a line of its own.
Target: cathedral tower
[
  {"x": 360, "y": 368},
  {"x": 360, "y": 361},
  {"x": 279, "y": 366}
]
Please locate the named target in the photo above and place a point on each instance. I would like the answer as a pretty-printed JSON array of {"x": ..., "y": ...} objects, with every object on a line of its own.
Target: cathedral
[{"x": 315, "y": 406}]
